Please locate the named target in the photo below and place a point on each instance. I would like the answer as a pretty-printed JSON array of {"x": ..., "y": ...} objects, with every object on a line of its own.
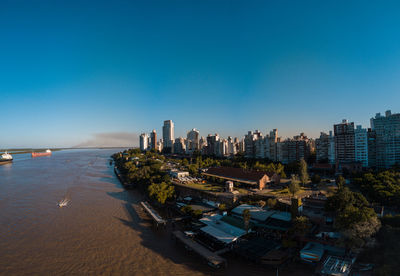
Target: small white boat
[
  {"x": 6, "y": 157},
  {"x": 63, "y": 203}
]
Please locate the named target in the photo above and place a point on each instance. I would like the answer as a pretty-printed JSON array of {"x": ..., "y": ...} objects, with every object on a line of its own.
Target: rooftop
[
  {"x": 237, "y": 174},
  {"x": 221, "y": 230}
]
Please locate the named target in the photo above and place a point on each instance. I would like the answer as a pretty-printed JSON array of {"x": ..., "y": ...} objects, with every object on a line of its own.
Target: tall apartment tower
[
  {"x": 143, "y": 141},
  {"x": 273, "y": 145},
  {"x": 168, "y": 134},
  {"x": 325, "y": 148},
  {"x": 387, "y": 131},
  {"x": 361, "y": 145},
  {"x": 153, "y": 139},
  {"x": 371, "y": 148},
  {"x": 192, "y": 141},
  {"x": 344, "y": 142},
  {"x": 250, "y": 143}
]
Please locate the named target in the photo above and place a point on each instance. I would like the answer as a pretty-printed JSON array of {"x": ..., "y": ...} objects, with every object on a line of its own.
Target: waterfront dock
[
  {"x": 212, "y": 258},
  {"x": 154, "y": 215}
]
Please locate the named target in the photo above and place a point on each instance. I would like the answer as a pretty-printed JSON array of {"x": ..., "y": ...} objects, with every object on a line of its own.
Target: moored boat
[
  {"x": 37, "y": 154},
  {"x": 6, "y": 158}
]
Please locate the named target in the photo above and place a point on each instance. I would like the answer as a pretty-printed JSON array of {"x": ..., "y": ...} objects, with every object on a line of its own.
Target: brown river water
[{"x": 103, "y": 230}]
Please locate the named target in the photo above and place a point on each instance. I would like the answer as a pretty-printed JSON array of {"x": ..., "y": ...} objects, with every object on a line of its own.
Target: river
[{"x": 103, "y": 230}]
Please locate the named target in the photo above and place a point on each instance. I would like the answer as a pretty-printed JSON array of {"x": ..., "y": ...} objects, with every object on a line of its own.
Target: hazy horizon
[{"x": 77, "y": 73}]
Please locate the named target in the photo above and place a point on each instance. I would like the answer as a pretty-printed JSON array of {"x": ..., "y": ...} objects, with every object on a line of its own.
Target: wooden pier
[
  {"x": 212, "y": 258},
  {"x": 154, "y": 215}
]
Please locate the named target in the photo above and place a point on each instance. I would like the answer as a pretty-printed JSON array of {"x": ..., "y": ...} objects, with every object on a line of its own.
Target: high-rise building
[
  {"x": 249, "y": 143},
  {"x": 153, "y": 139},
  {"x": 273, "y": 145},
  {"x": 331, "y": 149},
  {"x": 325, "y": 148},
  {"x": 293, "y": 150},
  {"x": 212, "y": 144},
  {"x": 168, "y": 134},
  {"x": 179, "y": 146},
  {"x": 202, "y": 143},
  {"x": 192, "y": 141},
  {"x": 322, "y": 148},
  {"x": 232, "y": 147},
  {"x": 387, "y": 131},
  {"x": 361, "y": 145},
  {"x": 344, "y": 142},
  {"x": 371, "y": 148},
  {"x": 143, "y": 141}
]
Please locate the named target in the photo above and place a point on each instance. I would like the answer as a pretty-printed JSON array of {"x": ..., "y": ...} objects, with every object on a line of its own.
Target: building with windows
[
  {"x": 387, "y": 138},
  {"x": 250, "y": 143},
  {"x": 361, "y": 145},
  {"x": 325, "y": 148},
  {"x": 192, "y": 141},
  {"x": 144, "y": 141},
  {"x": 153, "y": 139},
  {"x": 344, "y": 143},
  {"x": 168, "y": 134},
  {"x": 179, "y": 146}
]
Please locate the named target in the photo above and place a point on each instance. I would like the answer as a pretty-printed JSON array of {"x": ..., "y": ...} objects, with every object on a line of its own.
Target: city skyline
[{"x": 72, "y": 75}]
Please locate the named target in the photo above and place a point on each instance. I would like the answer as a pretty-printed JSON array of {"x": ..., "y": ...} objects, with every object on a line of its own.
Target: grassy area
[
  {"x": 204, "y": 186},
  {"x": 285, "y": 192}
]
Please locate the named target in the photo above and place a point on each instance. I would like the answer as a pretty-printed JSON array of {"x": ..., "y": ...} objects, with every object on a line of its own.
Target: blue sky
[{"x": 71, "y": 71}]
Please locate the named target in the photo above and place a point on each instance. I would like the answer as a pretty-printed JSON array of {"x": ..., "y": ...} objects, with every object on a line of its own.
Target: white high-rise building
[
  {"x": 144, "y": 141},
  {"x": 361, "y": 145},
  {"x": 168, "y": 134}
]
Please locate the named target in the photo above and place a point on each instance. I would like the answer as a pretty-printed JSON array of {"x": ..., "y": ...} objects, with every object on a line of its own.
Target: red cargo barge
[{"x": 37, "y": 154}]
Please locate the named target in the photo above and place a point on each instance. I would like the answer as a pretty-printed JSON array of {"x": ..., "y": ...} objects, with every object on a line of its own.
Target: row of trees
[
  {"x": 146, "y": 173},
  {"x": 381, "y": 187}
]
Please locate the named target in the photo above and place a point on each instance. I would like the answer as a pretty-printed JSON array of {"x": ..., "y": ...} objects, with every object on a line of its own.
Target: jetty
[
  {"x": 212, "y": 258},
  {"x": 153, "y": 214}
]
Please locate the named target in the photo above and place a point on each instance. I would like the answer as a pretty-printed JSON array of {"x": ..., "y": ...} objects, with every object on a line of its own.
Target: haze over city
[{"x": 75, "y": 74}]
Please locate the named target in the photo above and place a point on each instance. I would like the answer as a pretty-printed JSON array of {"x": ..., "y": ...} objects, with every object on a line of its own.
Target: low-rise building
[
  {"x": 178, "y": 174},
  {"x": 255, "y": 179}
]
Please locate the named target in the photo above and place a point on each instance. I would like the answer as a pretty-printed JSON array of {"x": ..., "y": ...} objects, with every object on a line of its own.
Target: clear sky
[{"x": 85, "y": 72}]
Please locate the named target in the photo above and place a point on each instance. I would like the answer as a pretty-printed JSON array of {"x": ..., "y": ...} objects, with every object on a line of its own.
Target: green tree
[
  {"x": 354, "y": 217},
  {"x": 161, "y": 191},
  {"x": 193, "y": 169},
  {"x": 303, "y": 173},
  {"x": 340, "y": 181},
  {"x": 246, "y": 219},
  {"x": 294, "y": 186}
]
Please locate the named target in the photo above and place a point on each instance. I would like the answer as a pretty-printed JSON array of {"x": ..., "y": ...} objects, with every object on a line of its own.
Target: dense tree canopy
[
  {"x": 382, "y": 187},
  {"x": 354, "y": 217},
  {"x": 161, "y": 191}
]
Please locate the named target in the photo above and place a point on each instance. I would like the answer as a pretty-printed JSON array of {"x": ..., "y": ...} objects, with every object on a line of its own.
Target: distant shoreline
[{"x": 30, "y": 150}]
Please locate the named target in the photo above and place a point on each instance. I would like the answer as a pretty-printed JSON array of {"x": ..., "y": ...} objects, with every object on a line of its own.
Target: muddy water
[{"x": 102, "y": 231}]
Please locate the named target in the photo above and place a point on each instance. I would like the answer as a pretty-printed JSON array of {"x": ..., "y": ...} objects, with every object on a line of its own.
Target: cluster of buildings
[
  {"x": 347, "y": 146},
  {"x": 354, "y": 146}
]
